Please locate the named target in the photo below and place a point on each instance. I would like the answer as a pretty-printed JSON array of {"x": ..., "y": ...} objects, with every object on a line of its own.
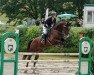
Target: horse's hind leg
[
  {"x": 28, "y": 58},
  {"x": 36, "y": 57}
]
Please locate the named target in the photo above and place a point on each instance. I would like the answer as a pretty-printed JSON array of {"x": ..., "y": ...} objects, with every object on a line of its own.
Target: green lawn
[
  {"x": 46, "y": 57},
  {"x": 55, "y": 57}
]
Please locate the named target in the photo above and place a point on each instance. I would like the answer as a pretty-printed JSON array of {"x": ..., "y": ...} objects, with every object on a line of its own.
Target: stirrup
[{"x": 43, "y": 41}]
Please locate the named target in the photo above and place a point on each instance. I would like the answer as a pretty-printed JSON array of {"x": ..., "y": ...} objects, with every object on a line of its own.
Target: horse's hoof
[{"x": 25, "y": 71}]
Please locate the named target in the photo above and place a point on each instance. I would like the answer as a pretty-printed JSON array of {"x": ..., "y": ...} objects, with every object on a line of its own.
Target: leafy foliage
[
  {"x": 18, "y": 10},
  {"x": 28, "y": 34},
  {"x": 33, "y": 32}
]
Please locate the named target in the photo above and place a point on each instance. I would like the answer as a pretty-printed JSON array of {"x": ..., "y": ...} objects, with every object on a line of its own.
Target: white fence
[{"x": 58, "y": 54}]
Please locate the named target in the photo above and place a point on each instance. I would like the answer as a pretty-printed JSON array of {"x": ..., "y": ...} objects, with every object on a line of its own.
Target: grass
[
  {"x": 46, "y": 57},
  {"x": 55, "y": 57}
]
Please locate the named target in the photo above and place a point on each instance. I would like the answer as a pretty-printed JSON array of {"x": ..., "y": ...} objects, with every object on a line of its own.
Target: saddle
[{"x": 44, "y": 37}]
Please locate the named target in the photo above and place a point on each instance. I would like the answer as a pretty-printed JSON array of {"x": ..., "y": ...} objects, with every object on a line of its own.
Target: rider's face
[{"x": 54, "y": 16}]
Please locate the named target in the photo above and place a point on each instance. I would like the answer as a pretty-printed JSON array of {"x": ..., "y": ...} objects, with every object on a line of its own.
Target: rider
[{"x": 49, "y": 23}]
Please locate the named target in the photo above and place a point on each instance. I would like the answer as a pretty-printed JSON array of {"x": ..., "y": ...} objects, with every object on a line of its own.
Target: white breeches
[{"x": 45, "y": 30}]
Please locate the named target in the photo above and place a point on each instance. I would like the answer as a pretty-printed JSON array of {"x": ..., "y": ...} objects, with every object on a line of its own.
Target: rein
[
  {"x": 49, "y": 41},
  {"x": 60, "y": 34}
]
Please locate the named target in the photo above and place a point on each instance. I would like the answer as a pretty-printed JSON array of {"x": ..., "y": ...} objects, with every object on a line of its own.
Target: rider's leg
[{"x": 44, "y": 35}]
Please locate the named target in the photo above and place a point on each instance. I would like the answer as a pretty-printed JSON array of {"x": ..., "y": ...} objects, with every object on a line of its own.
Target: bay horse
[{"x": 60, "y": 31}]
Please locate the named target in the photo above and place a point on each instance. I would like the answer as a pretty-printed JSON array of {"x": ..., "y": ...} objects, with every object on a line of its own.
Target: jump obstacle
[
  {"x": 85, "y": 56},
  {"x": 10, "y": 45},
  {"x": 58, "y": 60}
]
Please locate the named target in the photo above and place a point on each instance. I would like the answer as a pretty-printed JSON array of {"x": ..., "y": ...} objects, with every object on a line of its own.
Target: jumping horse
[{"x": 59, "y": 31}]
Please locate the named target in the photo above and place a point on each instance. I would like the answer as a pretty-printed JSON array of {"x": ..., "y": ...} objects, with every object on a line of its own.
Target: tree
[
  {"x": 90, "y": 1},
  {"x": 21, "y": 9},
  {"x": 68, "y": 7},
  {"x": 18, "y": 10},
  {"x": 79, "y": 4}
]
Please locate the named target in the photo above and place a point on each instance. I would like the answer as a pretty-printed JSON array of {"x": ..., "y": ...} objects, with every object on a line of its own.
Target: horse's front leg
[{"x": 36, "y": 58}]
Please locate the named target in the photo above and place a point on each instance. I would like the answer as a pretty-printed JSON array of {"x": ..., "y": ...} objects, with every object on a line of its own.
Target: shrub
[
  {"x": 30, "y": 33},
  {"x": 73, "y": 40},
  {"x": 70, "y": 45},
  {"x": 33, "y": 32},
  {"x": 27, "y": 34},
  {"x": 60, "y": 50},
  {"x": 22, "y": 37}
]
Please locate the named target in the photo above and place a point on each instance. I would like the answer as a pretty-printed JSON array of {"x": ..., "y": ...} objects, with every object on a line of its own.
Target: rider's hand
[
  {"x": 52, "y": 26},
  {"x": 46, "y": 25}
]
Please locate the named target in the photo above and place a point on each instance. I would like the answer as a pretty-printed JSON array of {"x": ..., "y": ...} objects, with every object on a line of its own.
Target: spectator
[
  {"x": 29, "y": 22},
  {"x": 79, "y": 22},
  {"x": 37, "y": 23},
  {"x": 42, "y": 22}
]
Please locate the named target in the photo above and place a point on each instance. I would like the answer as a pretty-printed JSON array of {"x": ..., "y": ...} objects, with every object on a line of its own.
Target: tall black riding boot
[{"x": 44, "y": 38}]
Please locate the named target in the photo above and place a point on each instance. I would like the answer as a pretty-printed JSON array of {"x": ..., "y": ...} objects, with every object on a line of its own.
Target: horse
[{"x": 59, "y": 31}]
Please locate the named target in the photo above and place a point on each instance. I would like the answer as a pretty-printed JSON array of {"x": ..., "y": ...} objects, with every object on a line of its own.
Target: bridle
[{"x": 60, "y": 34}]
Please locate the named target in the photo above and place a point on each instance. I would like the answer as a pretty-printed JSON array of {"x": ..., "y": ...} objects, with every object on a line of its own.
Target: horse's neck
[
  {"x": 55, "y": 31},
  {"x": 53, "y": 34},
  {"x": 58, "y": 28}
]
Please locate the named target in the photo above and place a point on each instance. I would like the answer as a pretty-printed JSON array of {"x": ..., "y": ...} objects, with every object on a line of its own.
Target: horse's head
[{"x": 63, "y": 27}]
